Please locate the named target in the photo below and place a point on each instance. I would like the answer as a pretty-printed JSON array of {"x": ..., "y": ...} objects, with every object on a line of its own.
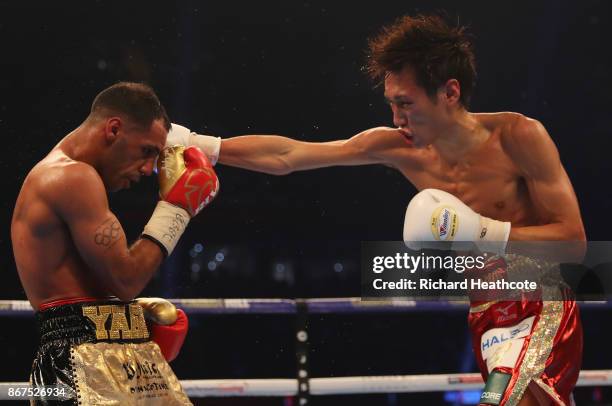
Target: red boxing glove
[
  {"x": 170, "y": 338},
  {"x": 186, "y": 178},
  {"x": 187, "y": 183}
]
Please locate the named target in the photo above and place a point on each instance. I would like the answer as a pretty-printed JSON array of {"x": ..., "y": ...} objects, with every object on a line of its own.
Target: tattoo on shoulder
[{"x": 108, "y": 233}]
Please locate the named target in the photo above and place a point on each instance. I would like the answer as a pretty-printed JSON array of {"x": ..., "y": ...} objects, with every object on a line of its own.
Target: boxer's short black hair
[
  {"x": 433, "y": 49},
  {"x": 136, "y": 101}
]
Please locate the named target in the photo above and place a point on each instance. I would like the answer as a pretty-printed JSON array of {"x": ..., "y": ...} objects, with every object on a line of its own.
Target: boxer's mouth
[{"x": 407, "y": 135}]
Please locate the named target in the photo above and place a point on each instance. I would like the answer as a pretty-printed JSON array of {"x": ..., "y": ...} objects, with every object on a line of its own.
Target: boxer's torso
[
  {"x": 486, "y": 179},
  {"x": 48, "y": 263}
]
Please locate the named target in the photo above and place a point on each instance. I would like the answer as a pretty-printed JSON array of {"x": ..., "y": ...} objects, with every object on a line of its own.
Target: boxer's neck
[
  {"x": 82, "y": 144},
  {"x": 460, "y": 136}
]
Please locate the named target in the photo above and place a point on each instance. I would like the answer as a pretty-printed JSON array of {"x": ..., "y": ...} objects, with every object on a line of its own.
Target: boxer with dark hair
[
  {"x": 77, "y": 269},
  {"x": 500, "y": 172}
]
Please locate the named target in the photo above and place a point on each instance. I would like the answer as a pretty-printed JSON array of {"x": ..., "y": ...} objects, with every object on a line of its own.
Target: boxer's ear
[
  {"x": 112, "y": 129},
  {"x": 451, "y": 92}
]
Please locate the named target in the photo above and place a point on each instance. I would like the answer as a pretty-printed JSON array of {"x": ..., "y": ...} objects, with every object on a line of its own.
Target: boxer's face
[
  {"x": 133, "y": 155},
  {"x": 417, "y": 116}
]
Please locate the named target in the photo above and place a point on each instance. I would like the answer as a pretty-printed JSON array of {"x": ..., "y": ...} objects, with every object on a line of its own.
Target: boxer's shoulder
[
  {"x": 509, "y": 124},
  {"x": 527, "y": 143},
  {"x": 518, "y": 135},
  {"x": 521, "y": 128},
  {"x": 511, "y": 127},
  {"x": 61, "y": 180}
]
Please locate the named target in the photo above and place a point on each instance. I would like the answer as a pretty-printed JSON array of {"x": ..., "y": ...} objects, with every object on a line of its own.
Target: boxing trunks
[
  {"x": 99, "y": 353},
  {"x": 526, "y": 339}
]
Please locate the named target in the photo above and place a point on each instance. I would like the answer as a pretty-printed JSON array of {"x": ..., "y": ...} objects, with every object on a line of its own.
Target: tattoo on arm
[{"x": 108, "y": 233}]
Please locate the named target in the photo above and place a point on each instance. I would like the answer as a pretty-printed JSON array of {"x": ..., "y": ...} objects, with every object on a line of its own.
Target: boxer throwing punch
[{"x": 500, "y": 171}]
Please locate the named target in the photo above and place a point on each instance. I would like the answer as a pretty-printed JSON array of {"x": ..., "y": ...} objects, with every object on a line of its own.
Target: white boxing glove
[
  {"x": 179, "y": 135},
  {"x": 434, "y": 215}
]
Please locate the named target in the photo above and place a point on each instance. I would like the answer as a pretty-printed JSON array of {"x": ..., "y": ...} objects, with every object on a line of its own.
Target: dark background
[{"x": 294, "y": 68}]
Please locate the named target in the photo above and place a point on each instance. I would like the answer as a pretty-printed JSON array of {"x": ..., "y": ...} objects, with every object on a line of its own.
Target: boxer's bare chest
[{"x": 487, "y": 180}]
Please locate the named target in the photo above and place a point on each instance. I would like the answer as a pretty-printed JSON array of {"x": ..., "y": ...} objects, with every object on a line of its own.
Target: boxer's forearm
[
  {"x": 143, "y": 259},
  {"x": 278, "y": 155},
  {"x": 559, "y": 242},
  {"x": 548, "y": 232},
  {"x": 260, "y": 153}
]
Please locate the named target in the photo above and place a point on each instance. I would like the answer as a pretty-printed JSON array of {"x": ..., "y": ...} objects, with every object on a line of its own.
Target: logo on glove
[{"x": 444, "y": 224}]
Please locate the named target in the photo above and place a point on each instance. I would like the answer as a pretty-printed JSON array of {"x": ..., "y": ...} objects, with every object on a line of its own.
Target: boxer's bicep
[
  {"x": 96, "y": 233},
  {"x": 378, "y": 145},
  {"x": 549, "y": 186},
  {"x": 383, "y": 145}
]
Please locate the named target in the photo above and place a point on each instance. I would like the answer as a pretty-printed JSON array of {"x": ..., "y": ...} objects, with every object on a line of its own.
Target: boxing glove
[
  {"x": 187, "y": 183},
  {"x": 437, "y": 219},
  {"x": 167, "y": 325}
]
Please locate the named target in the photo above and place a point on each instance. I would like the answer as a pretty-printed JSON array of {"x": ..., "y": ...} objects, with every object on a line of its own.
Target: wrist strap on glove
[{"x": 166, "y": 225}]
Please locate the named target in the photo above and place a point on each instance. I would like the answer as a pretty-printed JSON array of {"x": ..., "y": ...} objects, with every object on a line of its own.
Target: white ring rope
[
  {"x": 320, "y": 386},
  {"x": 199, "y": 388}
]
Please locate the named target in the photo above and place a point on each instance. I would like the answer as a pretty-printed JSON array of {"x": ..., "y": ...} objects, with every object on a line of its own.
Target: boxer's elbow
[
  {"x": 579, "y": 235},
  {"x": 126, "y": 293},
  {"x": 127, "y": 285},
  {"x": 282, "y": 165},
  {"x": 576, "y": 236},
  {"x": 573, "y": 231},
  {"x": 125, "y": 297}
]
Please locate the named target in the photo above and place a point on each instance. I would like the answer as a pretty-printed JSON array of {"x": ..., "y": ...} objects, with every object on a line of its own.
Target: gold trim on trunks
[{"x": 540, "y": 345}]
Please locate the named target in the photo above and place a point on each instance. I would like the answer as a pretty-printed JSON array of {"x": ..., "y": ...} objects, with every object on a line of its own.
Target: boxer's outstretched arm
[
  {"x": 279, "y": 155},
  {"x": 78, "y": 195},
  {"x": 550, "y": 189}
]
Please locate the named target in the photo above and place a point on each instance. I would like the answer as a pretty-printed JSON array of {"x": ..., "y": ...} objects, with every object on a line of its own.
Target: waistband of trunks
[{"x": 94, "y": 321}]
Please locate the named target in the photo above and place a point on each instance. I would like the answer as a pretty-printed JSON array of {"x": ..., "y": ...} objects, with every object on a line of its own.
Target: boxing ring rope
[
  {"x": 321, "y": 386},
  {"x": 353, "y": 385},
  {"x": 353, "y": 305}
]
